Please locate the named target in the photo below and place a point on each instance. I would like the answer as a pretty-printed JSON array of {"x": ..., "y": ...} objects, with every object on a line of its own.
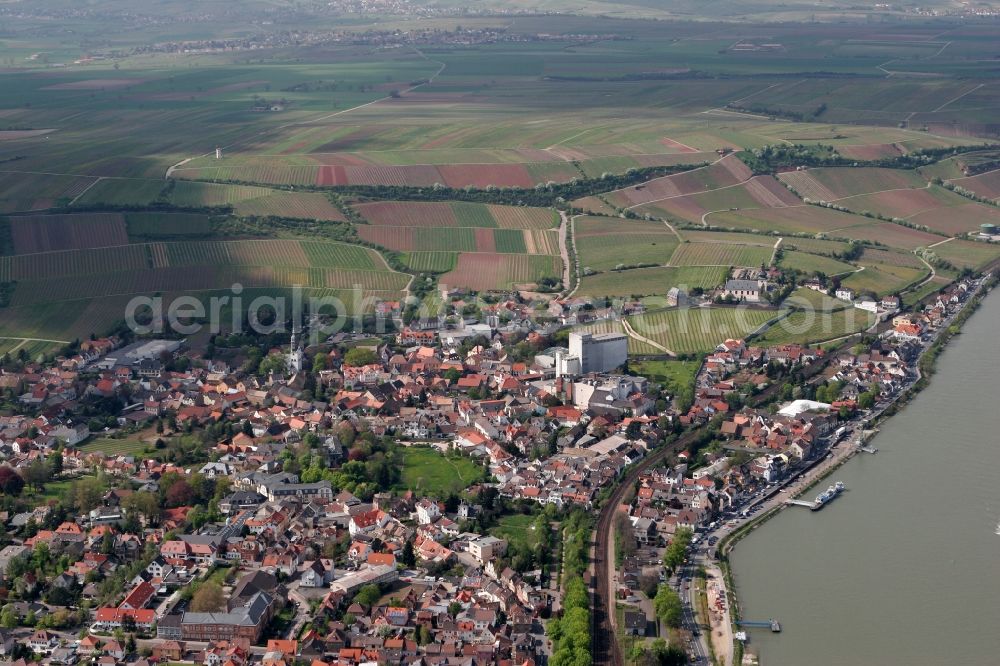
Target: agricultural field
[
  {"x": 461, "y": 239},
  {"x": 650, "y": 281},
  {"x": 455, "y": 214},
  {"x": 25, "y": 192},
  {"x": 149, "y": 226},
  {"x": 604, "y": 243},
  {"x": 484, "y": 271},
  {"x": 811, "y": 264},
  {"x": 986, "y": 185},
  {"x": 804, "y": 297},
  {"x": 721, "y": 254},
  {"x": 48, "y": 233},
  {"x": 883, "y": 279},
  {"x": 835, "y": 183},
  {"x": 805, "y": 327},
  {"x": 722, "y": 174},
  {"x": 122, "y": 192},
  {"x": 967, "y": 254},
  {"x": 689, "y": 330},
  {"x": 196, "y": 195},
  {"x": 892, "y": 235},
  {"x": 431, "y": 262}
]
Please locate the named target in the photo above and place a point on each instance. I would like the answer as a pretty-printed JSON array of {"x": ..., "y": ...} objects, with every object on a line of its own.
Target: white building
[{"x": 598, "y": 352}]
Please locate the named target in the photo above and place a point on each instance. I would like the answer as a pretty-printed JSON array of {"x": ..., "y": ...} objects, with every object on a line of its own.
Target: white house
[
  {"x": 844, "y": 294},
  {"x": 427, "y": 512}
]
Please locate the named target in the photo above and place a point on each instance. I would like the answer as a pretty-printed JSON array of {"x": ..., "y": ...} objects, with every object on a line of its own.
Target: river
[{"x": 903, "y": 568}]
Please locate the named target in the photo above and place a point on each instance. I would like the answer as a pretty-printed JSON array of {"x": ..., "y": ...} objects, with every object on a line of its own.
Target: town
[{"x": 422, "y": 497}]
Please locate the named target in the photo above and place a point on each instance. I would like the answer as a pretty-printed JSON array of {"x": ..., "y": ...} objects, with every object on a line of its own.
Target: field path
[
  {"x": 631, "y": 333},
  {"x": 947, "y": 240},
  {"x": 570, "y": 237},
  {"x": 24, "y": 340},
  {"x": 955, "y": 99},
  {"x": 774, "y": 254},
  {"x": 320, "y": 119},
  {"x": 564, "y": 230}
]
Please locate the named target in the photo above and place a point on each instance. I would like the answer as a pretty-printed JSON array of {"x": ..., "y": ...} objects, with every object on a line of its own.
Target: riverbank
[{"x": 925, "y": 370}]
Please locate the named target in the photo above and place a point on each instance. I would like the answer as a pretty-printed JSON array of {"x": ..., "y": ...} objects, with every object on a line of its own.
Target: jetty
[{"x": 771, "y": 624}]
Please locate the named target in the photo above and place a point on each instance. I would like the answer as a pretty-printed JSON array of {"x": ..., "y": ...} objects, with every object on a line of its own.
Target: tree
[
  {"x": 454, "y": 608},
  {"x": 37, "y": 474},
  {"x": 11, "y": 482},
  {"x": 56, "y": 463},
  {"x": 209, "y": 598},
  {"x": 358, "y": 356},
  {"x": 179, "y": 493},
  {"x": 408, "y": 558},
  {"x": 423, "y": 635},
  {"x": 88, "y": 494},
  {"x": 668, "y": 606}
]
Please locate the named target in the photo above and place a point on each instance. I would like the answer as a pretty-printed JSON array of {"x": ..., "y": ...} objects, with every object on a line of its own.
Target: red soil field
[
  {"x": 900, "y": 203},
  {"x": 770, "y": 193},
  {"x": 45, "y": 233},
  {"x": 985, "y": 184},
  {"x": 483, "y": 175},
  {"x": 394, "y": 238},
  {"x": 736, "y": 168},
  {"x": 476, "y": 271},
  {"x": 418, "y": 175},
  {"x": 331, "y": 175},
  {"x": 485, "y": 241},
  {"x": 892, "y": 234},
  {"x": 956, "y": 220}
]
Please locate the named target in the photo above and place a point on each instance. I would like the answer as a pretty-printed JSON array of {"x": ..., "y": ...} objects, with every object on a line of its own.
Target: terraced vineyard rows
[
  {"x": 688, "y": 330},
  {"x": 712, "y": 254}
]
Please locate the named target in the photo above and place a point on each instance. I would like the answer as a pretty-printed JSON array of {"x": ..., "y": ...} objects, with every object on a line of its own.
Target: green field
[
  {"x": 675, "y": 376},
  {"x": 519, "y": 530},
  {"x": 114, "y": 447},
  {"x": 809, "y": 327},
  {"x": 811, "y": 264},
  {"x": 449, "y": 150},
  {"x": 699, "y": 329},
  {"x": 650, "y": 281},
  {"x": 428, "y": 471}
]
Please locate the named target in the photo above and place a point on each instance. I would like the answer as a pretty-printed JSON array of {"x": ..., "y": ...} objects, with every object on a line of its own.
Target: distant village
[{"x": 263, "y": 518}]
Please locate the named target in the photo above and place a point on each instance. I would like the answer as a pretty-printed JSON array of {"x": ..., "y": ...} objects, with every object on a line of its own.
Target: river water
[{"x": 903, "y": 568}]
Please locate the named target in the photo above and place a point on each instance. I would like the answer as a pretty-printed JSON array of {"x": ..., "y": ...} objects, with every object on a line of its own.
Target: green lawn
[
  {"x": 674, "y": 375},
  {"x": 430, "y": 472},
  {"x": 114, "y": 447},
  {"x": 518, "y": 530}
]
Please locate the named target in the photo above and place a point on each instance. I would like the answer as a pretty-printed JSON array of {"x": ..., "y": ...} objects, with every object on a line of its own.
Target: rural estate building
[{"x": 743, "y": 290}]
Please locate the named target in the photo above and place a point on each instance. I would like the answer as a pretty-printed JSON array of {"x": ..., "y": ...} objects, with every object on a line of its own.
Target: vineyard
[
  {"x": 47, "y": 233},
  {"x": 650, "y": 281},
  {"x": 689, "y": 330},
  {"x": 210, "y": 194},
  {"x": 808, "y": 326},
  {"x": 166, "y": 225},
  {"x": 716, "y": 254},
  {"x": 455, "y": 214},
  {"x": 483, "y": 272},
  {"x": 73, "y": 262},
  {"x": 433, "y": 262},
  {"x": 811, "y": 263}
]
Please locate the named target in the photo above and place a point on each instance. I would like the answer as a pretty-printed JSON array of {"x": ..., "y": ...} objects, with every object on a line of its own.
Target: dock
[
  {"x": 868, "y": 449},
  {"x": 771, "y": 624},
  {"x": 795, "y": 502}
]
